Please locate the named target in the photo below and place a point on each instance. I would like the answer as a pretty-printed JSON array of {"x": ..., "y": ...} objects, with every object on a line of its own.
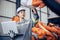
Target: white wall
[
  {"x": 7, "y": 9},
  {"x": 4, "y": 19},
  {"x": 44, "y": 15},
  {"x": 52, "y": 14}
]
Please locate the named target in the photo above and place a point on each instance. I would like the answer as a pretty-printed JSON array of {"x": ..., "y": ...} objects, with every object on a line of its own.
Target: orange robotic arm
[
  {"x": 41, "y": 32},
  {"x": 38, "y": 3},
  {"x": 15, "y": 18},
  {"x": 47, "y": 32},
  {"x": 51, "y": 29}
]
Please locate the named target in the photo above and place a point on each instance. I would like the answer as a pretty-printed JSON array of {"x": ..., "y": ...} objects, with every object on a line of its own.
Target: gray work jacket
[{"x": 24, "y": 28}]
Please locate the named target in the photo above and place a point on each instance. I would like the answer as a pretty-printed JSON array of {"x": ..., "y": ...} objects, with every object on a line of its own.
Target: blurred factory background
[{"x": 8, "y": 10}]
